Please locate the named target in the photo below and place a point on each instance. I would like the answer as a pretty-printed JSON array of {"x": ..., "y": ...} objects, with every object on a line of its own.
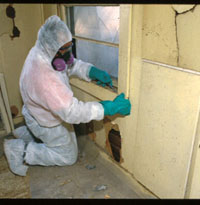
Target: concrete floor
[{"x": 105, "y": 180}]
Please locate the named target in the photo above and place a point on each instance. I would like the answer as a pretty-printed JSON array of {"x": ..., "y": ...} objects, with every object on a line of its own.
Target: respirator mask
[{"x": 63, "y": 58}]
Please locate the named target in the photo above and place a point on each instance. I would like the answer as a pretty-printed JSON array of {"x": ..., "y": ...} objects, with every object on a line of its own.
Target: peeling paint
[
  {"x": 6, "y": 23},
  {"x": 108, "y": 127},
  {"x": 114, "y": 138},
  {"x": 10, "y": 12}
]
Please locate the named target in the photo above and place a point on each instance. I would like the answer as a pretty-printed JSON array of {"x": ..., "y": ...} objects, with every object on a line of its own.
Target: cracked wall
[
  {"x": 173, "y": 170},
  {"x": 171, "y": 35},
  {"x": 188, "y": 33},
  {"x": 159, "y": 34},
  {"x": 180, "y": 9},
  {"x": 159, "y": 153}
]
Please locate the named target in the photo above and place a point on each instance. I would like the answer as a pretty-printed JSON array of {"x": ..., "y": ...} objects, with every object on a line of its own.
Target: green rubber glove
[
  {"x": 102, "y": 76},
  {"x": 119, "y": 105}
]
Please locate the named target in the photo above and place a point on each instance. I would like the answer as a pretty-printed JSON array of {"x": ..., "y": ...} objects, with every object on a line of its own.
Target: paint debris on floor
[
  {"x": 11, "y": 185},
  {"x": 90, "y": 177}
]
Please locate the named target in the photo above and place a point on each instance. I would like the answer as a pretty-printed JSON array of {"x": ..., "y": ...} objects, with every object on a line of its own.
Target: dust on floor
[{"x": 11, "y": 185}]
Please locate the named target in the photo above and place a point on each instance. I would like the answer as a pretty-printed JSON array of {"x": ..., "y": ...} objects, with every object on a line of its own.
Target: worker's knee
[
  {"x": 69, "y": 155},
  {"x": 70, "y": 159},
  {"x": 40, "y": 154}
]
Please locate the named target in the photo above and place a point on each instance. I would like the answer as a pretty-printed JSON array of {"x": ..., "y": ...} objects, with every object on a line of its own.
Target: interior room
[{"x": 151, "y": 54}]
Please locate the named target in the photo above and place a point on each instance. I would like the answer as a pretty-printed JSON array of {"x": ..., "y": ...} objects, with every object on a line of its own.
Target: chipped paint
[
  {"x": 108, "y": 126},
  {"x": 114, "y": 138},
  {"x": 6, "y": 28}
]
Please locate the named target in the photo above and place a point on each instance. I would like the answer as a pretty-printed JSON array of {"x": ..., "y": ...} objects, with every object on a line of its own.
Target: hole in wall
[{"x": 114, "y": 139}]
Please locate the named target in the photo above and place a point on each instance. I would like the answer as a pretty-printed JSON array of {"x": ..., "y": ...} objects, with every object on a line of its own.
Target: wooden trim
[
  {"x": 125, "y": 48},
  {"x": 172, "y": 67},
  {"x": 96, "y": 41},
  {"x": 8, "y": 117},
  {"x": 93, "y": 89}
]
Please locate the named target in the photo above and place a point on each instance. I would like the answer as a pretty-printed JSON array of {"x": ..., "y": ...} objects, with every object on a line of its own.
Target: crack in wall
[
  {"x": 184, "y": 10},
  {"x": 177, "y": 43},
  {"x": 176, "y": 28}
]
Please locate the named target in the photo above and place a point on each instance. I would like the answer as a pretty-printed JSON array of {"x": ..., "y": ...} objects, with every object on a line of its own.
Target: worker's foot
[
  {"x": 23, "y": 133},
  {"x": 14, "y": 151}
]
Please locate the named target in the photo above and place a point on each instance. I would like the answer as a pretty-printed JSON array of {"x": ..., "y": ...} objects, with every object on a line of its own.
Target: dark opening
[{"x": 115, "y": 143}]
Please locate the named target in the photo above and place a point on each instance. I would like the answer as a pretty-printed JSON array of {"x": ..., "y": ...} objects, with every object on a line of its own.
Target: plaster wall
[
  {"x": 49, "y": 10},
  {"x": 162, "y": 152},
  {"x": 171, "y": 35},
  {"x": 188, "y": 32},
  {"x": 159, "y": 34},
  {"x": 13, "y": 52},
  {"x": 167, "y": 123},
  {"x": 159, "y": 155}
]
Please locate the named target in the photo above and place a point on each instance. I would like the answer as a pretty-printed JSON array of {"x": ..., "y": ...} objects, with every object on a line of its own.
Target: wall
[
  {"x": 161, "y": 136},
  {"x": 181, "y": 49},
  {"x": 167, "y": 120},
  {"x": 13, "y": 52},
  {"x": 49, "y": 10},
  {"x": 171, "y": 35},
  {"x": 29, "y": 18},
  {"x": 159, "y": 34}
]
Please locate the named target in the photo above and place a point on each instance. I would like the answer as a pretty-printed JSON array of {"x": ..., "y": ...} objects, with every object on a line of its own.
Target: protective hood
[{"x": 51, "y": 36}]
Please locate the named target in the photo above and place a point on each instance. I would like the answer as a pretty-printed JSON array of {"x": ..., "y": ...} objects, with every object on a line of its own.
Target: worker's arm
[
  {"x": 80, "y": 69},
  {"x": 88, "y": 72}
]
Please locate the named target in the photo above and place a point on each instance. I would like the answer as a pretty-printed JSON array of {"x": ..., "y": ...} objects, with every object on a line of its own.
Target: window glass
[
  {"x": 101, "y": 56},
  {"x": 97, "y": 22},
  {"x": 100, "y": 23}
]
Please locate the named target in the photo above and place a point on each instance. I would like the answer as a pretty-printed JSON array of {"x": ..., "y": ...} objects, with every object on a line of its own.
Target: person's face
[
  {"x": 66, "y": 52},
  {"x": 66, "y": 48}
]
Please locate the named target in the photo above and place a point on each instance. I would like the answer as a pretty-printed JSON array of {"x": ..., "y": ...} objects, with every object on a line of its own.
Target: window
[{"x": 95, "y": 31}]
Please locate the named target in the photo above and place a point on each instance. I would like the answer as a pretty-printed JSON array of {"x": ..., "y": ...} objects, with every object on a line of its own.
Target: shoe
[{"x": 14, "y": 151}]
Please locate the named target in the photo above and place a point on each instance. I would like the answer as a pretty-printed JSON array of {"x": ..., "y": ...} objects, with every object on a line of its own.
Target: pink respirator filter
[{"x": 59, "y": 63}]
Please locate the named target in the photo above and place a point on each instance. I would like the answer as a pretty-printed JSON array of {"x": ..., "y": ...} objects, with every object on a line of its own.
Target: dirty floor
[{"x": 93, "y": 176}]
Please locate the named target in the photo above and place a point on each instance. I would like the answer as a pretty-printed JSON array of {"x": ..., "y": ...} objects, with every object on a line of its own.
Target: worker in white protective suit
[{"x": 49, "y": 102}]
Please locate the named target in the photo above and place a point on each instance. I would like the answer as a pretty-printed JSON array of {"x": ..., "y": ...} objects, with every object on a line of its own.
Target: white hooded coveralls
[{"x": 49, "y": 101}]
